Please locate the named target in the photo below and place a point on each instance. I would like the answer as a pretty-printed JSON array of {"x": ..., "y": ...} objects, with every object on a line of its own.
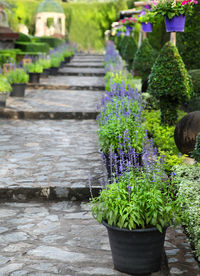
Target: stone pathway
[
  {"x": 63, "y": 239},
  {"x": 51, "y": 159}
]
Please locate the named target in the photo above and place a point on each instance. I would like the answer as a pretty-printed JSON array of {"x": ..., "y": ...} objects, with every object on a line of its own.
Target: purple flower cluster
[{"x": 123, "y": 139}]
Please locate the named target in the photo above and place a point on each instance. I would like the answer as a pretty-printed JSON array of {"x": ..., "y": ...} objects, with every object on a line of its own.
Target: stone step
[
  {"x": 85, "y": 64},
  {"x": 76, "y": 71},
  {"x": 70, "y": 83},
  {"x": 53, "y": 104},
  {"x": 48, "y": 159},
  {"x": 62, "y": 238}
]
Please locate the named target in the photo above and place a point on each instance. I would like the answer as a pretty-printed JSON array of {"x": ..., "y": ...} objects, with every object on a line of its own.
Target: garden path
[{"x": 48, "y": 148}]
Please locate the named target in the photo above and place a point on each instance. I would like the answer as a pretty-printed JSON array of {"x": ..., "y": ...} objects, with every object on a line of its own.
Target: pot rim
[{"x": 141, "y": 230}]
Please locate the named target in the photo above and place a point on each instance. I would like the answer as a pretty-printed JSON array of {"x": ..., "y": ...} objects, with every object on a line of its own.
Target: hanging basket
[
  {"x": 176, "y": 24},
  {"x": 147, "y": 27}
]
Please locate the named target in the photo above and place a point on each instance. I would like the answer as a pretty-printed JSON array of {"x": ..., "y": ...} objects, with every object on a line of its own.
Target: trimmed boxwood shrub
[
  {"x": 53, "y": 42},
  {"x": 32, "y": 47},
  {"x": 170, "y": 82},
  {"x": 23, "y": 38},
  {"x": 144, "y": 59},
  {"x": 128, "y": 50}
]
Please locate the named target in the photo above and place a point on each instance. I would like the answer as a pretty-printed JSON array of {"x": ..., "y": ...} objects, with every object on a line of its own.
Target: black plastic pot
[
  {"x": 18, "y": 90},
  {"x": 62, "y": 64},
  {"x": 34, "y": 77},
  {"x": 53, "y": 71},
  {"x": 45, "y": 73},
  {"x": 67, "y": 59},
  {"x": 137, "y": 252}
]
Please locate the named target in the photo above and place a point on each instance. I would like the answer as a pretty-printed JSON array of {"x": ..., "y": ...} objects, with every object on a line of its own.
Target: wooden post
[
  {"x": 140, "y": 38},
  {"x": 173, "y": 38}
]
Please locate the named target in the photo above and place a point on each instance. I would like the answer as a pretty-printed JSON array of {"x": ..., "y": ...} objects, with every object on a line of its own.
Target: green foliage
[
  {"x": 169, "y": 9},
  {"x": 148, "y": 17},
  {"x": 158, "y": 37},
  {"x": 17, "y": 76},
  {"x": 139, "y": 199},
  {"x": 33, "y": 68},
  {"x": 150, "y": 102},
  {"x": 170, "y": 82},
  {"x": 187, "y": 179},
  {"x": 4, "y": 85},
  {"x": 163, "y": 137},
  {"x": 195, "y": 75},
  {"x": 8, "y": 55},
  {"x": 85, "y": 22},
  {"x": 53, "y": 42},
  {"x": 32, "y": 47},
  {"x": 118, "y": 78},
  {"x": 118, "y": 118},
  {"x": 45, "y": 63},
  {"x": 55, "y": 62},
  {"x": 23, "y": 38},
  {"x": 196, "y": 152},
  {"x": 128, "y": 49},
  {"x": 144, "y": 59},
  {"x": 188, "y": 41}
]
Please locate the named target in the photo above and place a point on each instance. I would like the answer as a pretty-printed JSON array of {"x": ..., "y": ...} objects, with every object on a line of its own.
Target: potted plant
[
  {"x": 147, "y": 18},
  {"x": 18, "y": 79},
  {"x": 136, "y": 209},
  {"x": 46, "y": 64},
  {"x": 5, "y": 88},
  {"x": 174, "y": 13},
  {"x": 55, "y": 63},
  {"x": 34, "y": 70}
]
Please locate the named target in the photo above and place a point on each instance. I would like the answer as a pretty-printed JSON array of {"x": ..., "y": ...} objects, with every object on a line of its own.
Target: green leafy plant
[
  {"x": 138, "y": 199},
  {"x": 169, "y": 82},
  {"x": 117, "y": 78},
  {"x": 163, "y": 137},
  {"x": 196, "y": 152},
  {"x": 117, "y": 118},
  {"x": 129, "y": 49},
  {"x": 4, "y": 85},
  {"x": 45, "y": 63},
  {"x": 33, "y": 68},
  {"x": 187, "y": 179},
  {"x": 144, "y": 59},
  {"x": 55, "y": 62},
  {"x": 148, "y": 17},
  {"x": 18, "y": 76},
  {"x": 171, "y": 8}
]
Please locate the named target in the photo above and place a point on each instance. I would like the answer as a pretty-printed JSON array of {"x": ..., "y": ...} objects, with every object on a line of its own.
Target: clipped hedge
[
  {"x": 53, "y": 42},
  {"x": 144, "y": 59},
  {"x": 32, "y": 47},
  {"x": 23, "y": 38}
]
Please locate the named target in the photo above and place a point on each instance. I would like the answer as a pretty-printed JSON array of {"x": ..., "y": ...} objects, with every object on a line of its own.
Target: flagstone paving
[
  {"x": 51, "y": 156},
  {"x": 63, "y": 239},
  {"x": 56, "y": 159},
  {"x": 56, "y": 100}
]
